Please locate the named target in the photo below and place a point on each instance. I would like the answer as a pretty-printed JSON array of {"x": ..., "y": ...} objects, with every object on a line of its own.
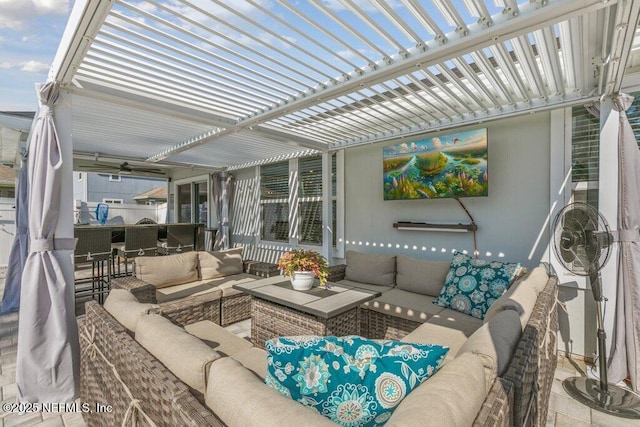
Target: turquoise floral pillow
[
  {"x": 473, "y": 285},
  {"x": 351, "y": 380}
]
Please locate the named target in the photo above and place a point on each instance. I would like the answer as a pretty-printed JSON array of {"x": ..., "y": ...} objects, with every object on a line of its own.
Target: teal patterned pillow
[
  {"x": 472, "y": 285},
  {"x": 351, "y": 380}
]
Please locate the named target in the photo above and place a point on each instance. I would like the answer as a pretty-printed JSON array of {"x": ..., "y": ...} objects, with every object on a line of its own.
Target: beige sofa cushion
[
  {"x": 375, "y": 269},
  {"x": 521, "y": 296},
  {"x": 218, "y": 338},
  {"x": 254, "y": 359},
  {"x": 220, "y": 263},
  {"x": 494, "y": 343},
  {"x": 430, "y": 333},
  {"x": 455, "y": 320},
  {"x": 407, "y": 305},
  {"x": 437, "y": 403},
  {"x": 420, "y": 275},
  {"x": 187, "y": 357},
  {"x": 168, "y": 270},
  {"x": 126, "y": 308},
  {"x": 240, "y": 398}
]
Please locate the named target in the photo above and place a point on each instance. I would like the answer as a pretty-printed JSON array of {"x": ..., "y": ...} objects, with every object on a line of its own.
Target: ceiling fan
[{"x": 123, "y": 169}]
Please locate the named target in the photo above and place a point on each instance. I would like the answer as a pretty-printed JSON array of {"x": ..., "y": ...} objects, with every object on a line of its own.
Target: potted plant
[{"x": 303, "y": 266}]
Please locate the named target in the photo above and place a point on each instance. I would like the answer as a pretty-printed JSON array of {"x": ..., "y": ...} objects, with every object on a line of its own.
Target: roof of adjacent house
[{"x": 155, "y": 193}]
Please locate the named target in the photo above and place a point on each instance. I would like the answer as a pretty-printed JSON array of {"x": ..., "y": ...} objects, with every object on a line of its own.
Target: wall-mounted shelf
[{"x": 424, "y": 226}]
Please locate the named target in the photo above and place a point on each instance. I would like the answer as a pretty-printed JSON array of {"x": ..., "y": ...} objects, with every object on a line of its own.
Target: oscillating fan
[{"x": 582, "y": 243}]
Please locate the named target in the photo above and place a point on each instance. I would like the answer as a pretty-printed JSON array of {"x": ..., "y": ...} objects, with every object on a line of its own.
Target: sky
[{"x": 30, "y": 31}]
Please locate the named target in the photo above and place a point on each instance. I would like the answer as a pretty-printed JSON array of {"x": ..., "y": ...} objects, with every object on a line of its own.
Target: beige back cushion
[
  {"x": 521, "y": 296},
  {"x": 126, "y": 308},
  {"x": 375, "y": 269},
  {"x": 494, "y": 343},
  {"x": 186, "y": 356},
  {"x": 163, "y": 271},
  {"x": 420, "y": 275},
  {"x": 240, "y": 398},
  {"x": 451, "y": 398},
  {"x": 220, "y": 263}
]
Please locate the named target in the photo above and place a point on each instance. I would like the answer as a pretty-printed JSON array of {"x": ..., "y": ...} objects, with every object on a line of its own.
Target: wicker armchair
[{"x": 223, "y": 311}]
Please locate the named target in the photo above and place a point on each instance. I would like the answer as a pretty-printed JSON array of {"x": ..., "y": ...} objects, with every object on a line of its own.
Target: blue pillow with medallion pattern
[
  {"x": 472, "y": 285},
  {"x": 351, "y": 380}
]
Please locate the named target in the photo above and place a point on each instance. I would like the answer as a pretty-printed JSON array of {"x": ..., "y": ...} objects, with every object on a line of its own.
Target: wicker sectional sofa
[
  {"x": 194, "y": 286},
  {"x": 498, "y": 372}
]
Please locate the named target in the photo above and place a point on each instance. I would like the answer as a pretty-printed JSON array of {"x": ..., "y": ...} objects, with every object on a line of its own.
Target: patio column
[
  {"x": 608, "y": 201},
  {"x": 327, "y": 211}
]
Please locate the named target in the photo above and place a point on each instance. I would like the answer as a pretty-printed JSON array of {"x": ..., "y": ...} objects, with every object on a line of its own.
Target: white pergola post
[
  {"x": 608, "y": 201},
  {"x": 327, "y": 220}
]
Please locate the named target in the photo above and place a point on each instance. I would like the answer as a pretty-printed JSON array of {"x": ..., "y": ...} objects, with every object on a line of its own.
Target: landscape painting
[{"x": 452, "y": 165}]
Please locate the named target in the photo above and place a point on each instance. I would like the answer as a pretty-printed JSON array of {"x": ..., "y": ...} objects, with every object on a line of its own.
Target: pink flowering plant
[{"x": 303, "y": 260}]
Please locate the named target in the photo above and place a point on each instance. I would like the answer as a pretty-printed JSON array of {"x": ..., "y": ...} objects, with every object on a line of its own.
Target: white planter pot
[{"x": 302, "y": 280}]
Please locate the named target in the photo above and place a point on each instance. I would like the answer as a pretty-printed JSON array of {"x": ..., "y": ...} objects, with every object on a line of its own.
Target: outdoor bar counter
[{"x": 117, "y": 231}]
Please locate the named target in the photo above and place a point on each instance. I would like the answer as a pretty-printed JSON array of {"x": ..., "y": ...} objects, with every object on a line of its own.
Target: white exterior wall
[{"x": 511, "y": 220}]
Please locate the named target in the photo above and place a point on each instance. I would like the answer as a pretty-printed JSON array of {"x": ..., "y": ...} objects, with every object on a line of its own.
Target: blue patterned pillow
[
  {"x": 473, "y": 285},
  {"x": 351, "y": 380}
]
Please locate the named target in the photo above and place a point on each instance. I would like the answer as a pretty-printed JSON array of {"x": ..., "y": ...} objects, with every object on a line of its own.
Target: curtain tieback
[
  {"x": 52, "y": 244},
  {"x": 627, "y": 235}
]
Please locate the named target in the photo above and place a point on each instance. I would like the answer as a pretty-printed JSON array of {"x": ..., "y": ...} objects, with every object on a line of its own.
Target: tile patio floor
[{"x": 563, "y": 410}]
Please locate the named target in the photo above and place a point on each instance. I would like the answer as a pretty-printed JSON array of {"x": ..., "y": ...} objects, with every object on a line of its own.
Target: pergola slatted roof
[{"x": 264, "y": 79}]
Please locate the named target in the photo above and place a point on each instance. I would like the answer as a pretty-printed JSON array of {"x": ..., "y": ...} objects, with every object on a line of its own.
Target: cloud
[
  {"x": 19, "y": 14},
  {"x": 31, "y": 66},
  {"x": 34, "y": 67},
  {"x": 437, "y": 144}
]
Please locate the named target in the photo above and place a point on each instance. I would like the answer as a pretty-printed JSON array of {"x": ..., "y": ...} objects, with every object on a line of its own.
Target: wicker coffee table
[{"x": 279, "y": 310}]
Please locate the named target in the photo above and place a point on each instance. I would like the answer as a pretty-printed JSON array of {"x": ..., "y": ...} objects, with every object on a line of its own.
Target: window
[
  {"x": 113, "y": 201},
  {"x": 585, "y": 149},
  {"x": 184, "y": 202},
  {"x": 274, "y": 200},
  {"x": 291, "y": 201},
  {"x": 192, "y": 200},
  {"x": 115, "y": 178}
]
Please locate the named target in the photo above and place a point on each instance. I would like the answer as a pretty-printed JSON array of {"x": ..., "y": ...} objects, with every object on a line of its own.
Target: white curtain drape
[
  {"x": 48, "y": 360},
  {"x": 19, "y": 249},
  {"x": 222, "y": 196},
  {"x": 625, "y": 346}
]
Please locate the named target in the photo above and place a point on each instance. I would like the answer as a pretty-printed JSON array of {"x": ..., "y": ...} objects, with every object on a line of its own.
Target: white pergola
[{"x": 223, "y": 85}]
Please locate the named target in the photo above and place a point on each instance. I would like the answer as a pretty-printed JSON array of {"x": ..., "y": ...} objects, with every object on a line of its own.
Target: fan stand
[{"x": 599, "y": 395}]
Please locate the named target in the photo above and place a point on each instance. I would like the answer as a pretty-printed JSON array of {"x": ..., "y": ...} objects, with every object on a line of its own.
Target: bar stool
[
  {"x": 138, "y": 241},
  {"x": 180, "y": 238},
  {"x": 93, "y": 247}
]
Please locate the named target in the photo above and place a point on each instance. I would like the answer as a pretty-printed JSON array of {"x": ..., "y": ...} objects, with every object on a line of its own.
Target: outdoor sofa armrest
[
  {"x": 337, "y": 272},
  {"x": 192, "y": 309},
  {"x": 145, "y": 292},
  {"x": 496, "y": 410},
  {"x": 262, "y": 269}
]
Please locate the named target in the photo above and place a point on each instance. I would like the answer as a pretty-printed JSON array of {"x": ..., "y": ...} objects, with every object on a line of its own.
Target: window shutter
[
  {"x": 585, "y": 147},
  {"x": 310, "y": 174},
  {"x": 274, "y": 181}
]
